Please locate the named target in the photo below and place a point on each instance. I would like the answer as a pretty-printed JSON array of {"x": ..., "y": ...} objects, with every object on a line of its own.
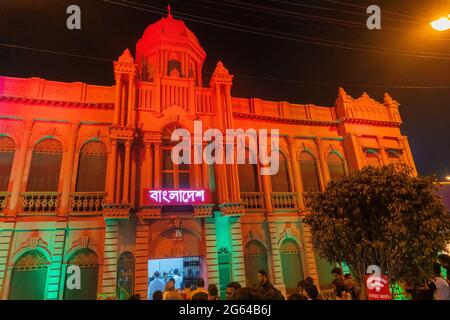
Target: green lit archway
[
  {"x": 87, "y": 260},
  {"x": 29, "y": 276},
  {"x": 291, "y": 264}
]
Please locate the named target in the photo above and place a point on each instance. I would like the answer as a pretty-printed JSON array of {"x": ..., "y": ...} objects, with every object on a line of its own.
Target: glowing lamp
[{"x": 441, "y": 24}]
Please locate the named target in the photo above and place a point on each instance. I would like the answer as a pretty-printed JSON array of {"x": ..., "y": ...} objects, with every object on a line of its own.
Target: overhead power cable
[
  {"x": 286, "y": 36},
  {"x": 242, "y": 76}
]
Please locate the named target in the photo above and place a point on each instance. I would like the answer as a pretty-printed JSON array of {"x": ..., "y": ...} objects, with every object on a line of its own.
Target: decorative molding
[{"x": 69, "y": 104}]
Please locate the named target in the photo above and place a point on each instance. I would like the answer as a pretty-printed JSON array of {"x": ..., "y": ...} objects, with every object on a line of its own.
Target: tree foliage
[{"x": 380, "y": 216}]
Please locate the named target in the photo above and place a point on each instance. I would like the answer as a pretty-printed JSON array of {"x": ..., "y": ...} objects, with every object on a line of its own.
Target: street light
[
  {"x": 441, "y": 24},
  {"x": 448, "y": 178}
]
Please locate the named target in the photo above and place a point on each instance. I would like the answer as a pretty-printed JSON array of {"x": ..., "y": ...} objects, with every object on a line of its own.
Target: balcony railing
[
  {"x": 284, "y": 200},
  {"x": 40, "y": 202},
  {"x": 4, "y": 200},
  {"x": 87, "y": 202},
  {"x": 252, "y": 200}
]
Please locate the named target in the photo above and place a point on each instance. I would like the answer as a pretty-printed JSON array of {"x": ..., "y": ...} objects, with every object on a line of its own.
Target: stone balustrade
[
  {"x": 39, "y": 202},
  {"x": 252, "y": 200},
  {"x": 284, "y": 200},
  {"x": 4, "y": 200},
  {"x": 87, "y": 202}
]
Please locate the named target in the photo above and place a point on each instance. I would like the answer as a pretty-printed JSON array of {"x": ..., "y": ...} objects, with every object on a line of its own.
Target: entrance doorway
[{"x": 183, "y": 270}]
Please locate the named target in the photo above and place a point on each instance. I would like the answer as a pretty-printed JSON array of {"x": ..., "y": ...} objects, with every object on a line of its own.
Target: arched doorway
[
  {"x": 291, "y": 264},
  {"x": 87, "y": 260},
  {"x": 29, "y": 276},
  {"x": 179, "y": 253},
  {"x": 255, "y": 258},
  {"x": 125, "y": 275}
]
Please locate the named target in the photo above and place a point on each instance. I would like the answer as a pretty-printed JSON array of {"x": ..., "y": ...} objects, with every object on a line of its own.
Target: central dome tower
[{"x": 169, "y": 49}]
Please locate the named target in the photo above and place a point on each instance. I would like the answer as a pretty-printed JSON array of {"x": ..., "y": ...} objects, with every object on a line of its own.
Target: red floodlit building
[{"x": 75, "y": 160}]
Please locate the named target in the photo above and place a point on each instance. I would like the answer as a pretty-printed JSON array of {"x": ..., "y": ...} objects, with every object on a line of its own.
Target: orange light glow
[{"x": 441, "y": 24}]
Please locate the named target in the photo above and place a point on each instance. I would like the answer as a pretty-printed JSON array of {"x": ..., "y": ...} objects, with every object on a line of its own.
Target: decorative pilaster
[
  {"x": 322, "y": 163},
  {"x": 112, "y": 171},
  {"x": 309, "y": 254},
  {"x": 266, "y": 184},
  {"x": 110, "y": 255},
  {"x": 141, "y": 262},
  {"x": 6, "y": 237},
  {"x": 296, "y": 173},
  {"x": 55, "y": 288},
  {"x": 237, "y": 260},
  {"x": 126, "y": 179},
  {"x": 23, "y": 150},
  {"x": 68, "y": 169},
  {"x": 275, "y": 253},
  {"x": 212, "y": 262},
  {"x": 384, "y": 159}
]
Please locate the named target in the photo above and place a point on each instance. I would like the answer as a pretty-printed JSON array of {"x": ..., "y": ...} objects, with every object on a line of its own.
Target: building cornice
[
  {"x": 72, "y": 104},
  {"x": 378, "y": 123}
]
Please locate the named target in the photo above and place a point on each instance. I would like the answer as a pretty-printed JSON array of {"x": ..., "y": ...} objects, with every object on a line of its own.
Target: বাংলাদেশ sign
[{"x": 176, "y": 196}]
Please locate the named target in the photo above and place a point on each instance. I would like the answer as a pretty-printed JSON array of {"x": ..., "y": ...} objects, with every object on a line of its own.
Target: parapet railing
[
  {"x": 252, "y": 200},
  {"x": 284, "y": 200},
  {"x": 39, "y": 202},
  {"x": 87, "y": 202},
  {"x": 4, "y": 200}
]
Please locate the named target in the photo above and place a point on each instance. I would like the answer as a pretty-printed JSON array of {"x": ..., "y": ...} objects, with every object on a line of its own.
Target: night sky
[{"x": 264, "y": 64}]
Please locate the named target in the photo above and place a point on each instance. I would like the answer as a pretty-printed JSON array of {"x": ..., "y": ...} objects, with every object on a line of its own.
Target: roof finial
[{"x": 169, "y": 10}]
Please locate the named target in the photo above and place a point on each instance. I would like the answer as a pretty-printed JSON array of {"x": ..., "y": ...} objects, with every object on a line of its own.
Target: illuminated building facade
[{"x": 75, "y": 160}]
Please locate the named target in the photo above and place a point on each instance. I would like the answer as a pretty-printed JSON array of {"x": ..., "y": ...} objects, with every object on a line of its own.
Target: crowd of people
[{"x": 345, "y": 288}]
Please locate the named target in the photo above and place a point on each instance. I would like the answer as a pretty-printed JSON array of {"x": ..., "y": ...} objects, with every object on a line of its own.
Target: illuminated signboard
[{"x": 176, "y": 196}]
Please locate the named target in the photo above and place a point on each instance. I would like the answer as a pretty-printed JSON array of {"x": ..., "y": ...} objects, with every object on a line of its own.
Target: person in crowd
[
  {"x": 264, "y": 283},
  {"x": 170, "y": 286},
  {"x": 273, "y": 294},
  {"x": 342, "y": 292},
  {"x": 165, "y": 277},
  {"x": 173, "y": 295},
  {"x": 308, "y": 288},
  {"x": 297, "y": 296},
  {"x": 444, "y": 260},
  {"x": 213, "y": 292},
  {"x": 248, "y": 293},
  {"x": 157, "y": 295},
  {"x": 200, "y": 289},
  {"x": 232, "y": 287},
  {"x": 351, "y": 283},
  {"x": 136, "y": 296},
  {"x": 186, "y": 293},
  {"x": 441, "y": 291},
  {"x": 156, "y": 284},
  {"x": 178, "y": 278}
]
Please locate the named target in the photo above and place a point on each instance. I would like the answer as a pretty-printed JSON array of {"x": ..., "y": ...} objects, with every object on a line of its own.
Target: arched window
[
  {"x": 309, "y": 173},
  {"x": 125, "y": 276},
  {"x": 336, "y": 166},
  {"x": 87, "y": 261},
  {"x": 394, "y": 156},
  {"x": 372, "y": 158},
  {"x": 29, "y": 276},
  {"x": 248, "y": 177},
  {"x": 174, "y": 68},
  {"x": 173, "y": 175},
  {"x": 7, "y": 149},
  {"x": 45, "y": 166},
  {"x": 255, "y": 258},
  {"x": 280, "y": 181},
  {"x": 92, "y": 167},
  {"x": 291, "y": 264}
]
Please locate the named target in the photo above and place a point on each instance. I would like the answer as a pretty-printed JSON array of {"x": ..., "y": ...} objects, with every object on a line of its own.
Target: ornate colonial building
[{"x": 75, "y": 160}]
